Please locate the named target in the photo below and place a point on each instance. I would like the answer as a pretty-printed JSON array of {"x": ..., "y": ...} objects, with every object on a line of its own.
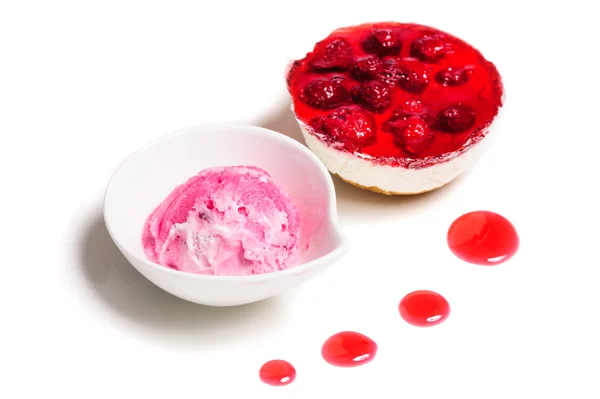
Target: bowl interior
[{"x": 150, "y": 174}]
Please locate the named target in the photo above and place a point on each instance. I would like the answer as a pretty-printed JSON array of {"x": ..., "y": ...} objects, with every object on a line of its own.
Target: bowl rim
[{"x": 337, "y": 252}]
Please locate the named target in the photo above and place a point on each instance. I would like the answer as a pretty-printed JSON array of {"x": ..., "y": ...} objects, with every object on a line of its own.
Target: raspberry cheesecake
[{"x": 395, "y": 108}]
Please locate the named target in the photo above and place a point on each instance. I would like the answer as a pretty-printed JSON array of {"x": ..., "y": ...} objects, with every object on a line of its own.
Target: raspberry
[
  {"x": 456, "y": 118},
  {"x": 453, "y": 76},
  {"x": 430, "y": 49},
  {"x": 336, "y": 55},
  {"x": 413, "y": 133},
  {"x": 409, "y": 74},
  {"x": 373, "y": 95},
  {"x": 325, "y": 93},
  {"x": 413, "y": 76},
  {"x": 351, "y": 126},
  {"x": 391, "y": 73},
  {"x": 367, "y": 68},
  {"x": 412, "y": 106},
  {"x": 382, "y": 42}
]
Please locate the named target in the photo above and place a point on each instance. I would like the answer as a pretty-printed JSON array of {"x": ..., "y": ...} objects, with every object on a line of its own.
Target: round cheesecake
[{"x": 395, "y": 108}]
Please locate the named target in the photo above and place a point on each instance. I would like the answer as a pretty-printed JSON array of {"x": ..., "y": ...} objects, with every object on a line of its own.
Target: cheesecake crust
[{"x": 378, "y": 190}]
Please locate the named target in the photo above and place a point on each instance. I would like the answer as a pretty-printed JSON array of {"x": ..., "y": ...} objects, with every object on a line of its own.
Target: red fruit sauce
[
  {"x": 277, "y": 373},
  {"x": 348, "y": 349},
  {"x": 483, "y": 238},
  {"x": 379, "y": 68},
  {"x": 424, "y": 308}
]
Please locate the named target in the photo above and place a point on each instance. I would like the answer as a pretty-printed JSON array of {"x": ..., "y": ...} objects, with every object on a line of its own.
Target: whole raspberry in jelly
[
  {"x": 412, "y": 106},
  {"x": 456, "y": 118},
  {"x": 453, "y": 76},
  {"x": 352, "y": 126},
  {"x": 416, "y": 135},
  {"x": 430, "y": 48},
  {"x": 411, "y": 132},
  {"x": 413, "y": 76},
  {"x": 409, "y": 109},
  {"x": 325, "y": 93},
  {"x": 367, "y": 68},
  {"x": 382, "y": 42},
  {"x": 390, "y": 73},
  {"x": 409, "y": 74},
  {"x": 333, "y": 55},
  {"x": 373, "y": 95}
]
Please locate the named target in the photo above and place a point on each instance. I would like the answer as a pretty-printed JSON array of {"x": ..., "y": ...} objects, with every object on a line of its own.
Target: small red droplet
[
  {"x": 424, "y": 308},
  {"x": 348, "y": 349},
  {"x": 483, "y": 238},
  {"x": 277, "y": 373}
]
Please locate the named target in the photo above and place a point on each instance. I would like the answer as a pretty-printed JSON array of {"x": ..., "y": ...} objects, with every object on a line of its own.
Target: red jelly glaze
[
  {"x": 424, "y": 308},
  {"x": 483, "y": 238},
  {"x": 417, "y": 63},
  {"x": 277, "y": 373},
  {"x": 348, "y": 349}
]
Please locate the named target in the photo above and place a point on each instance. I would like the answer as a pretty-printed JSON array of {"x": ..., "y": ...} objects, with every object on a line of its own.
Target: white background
[{"x": 83, "y": 84}]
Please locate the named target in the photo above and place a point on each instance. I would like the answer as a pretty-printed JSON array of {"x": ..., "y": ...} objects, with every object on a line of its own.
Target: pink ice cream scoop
[{"x": 228, "y": 221}]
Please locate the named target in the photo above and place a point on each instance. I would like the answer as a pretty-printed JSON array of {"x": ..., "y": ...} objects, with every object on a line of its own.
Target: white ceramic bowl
[{"x": 146, "y": 177}]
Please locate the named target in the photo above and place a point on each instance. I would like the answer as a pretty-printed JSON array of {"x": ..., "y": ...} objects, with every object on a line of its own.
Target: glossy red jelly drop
[
  {"x": 483, "y": 238},
  {"x": 277, "y": 373},
  {"x": 348, "y": 349},
  {"x": 424, "y": 308}
]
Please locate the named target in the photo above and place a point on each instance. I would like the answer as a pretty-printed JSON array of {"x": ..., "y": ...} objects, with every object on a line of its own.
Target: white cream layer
[{"x": 394, "y": 179}]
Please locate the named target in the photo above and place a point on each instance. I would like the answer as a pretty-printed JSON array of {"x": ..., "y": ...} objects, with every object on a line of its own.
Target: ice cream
[{"x": 228, "y": 221}]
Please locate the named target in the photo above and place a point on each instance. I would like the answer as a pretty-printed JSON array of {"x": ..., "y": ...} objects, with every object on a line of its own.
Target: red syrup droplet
[
  {"x": 348, "y": 349},
  {"x": 277, "y": 373},
  {"x": 424, "y": 308},
  {"x": 483, "y": 238}
]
